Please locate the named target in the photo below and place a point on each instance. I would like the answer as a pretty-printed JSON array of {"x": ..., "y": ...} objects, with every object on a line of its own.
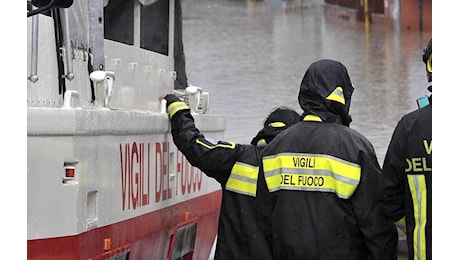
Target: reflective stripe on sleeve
[
  {"x": 417, "y": 186},
  {"x": 311, "y": 172},
  {"x": 243, "y": 179},
  {"x": 401, "y": 224},
  {"x": 176, "y": 106},
  {"x": 210, "y": 145}
]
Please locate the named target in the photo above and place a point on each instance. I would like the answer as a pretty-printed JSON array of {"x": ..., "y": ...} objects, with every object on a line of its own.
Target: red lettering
[
  {"x": 190, "y": 177},
  {"x": 199, "y": 179},
  {"x": 145, "y": 196},
  {"x": 178, "y": 169},
  {"x": 167, "y": 190},
  {"x": 163, "y": 191},
  {"x": 158, "y": 171},
  {"x": 135, "y": 184},
  {"x": 183, "y": 179},
  {"x": 134, "y": 177},
  {"x": 124, "y": 165}
]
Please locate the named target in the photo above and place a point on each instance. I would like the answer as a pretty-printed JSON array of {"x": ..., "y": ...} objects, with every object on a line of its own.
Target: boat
[{"x": 104, "y": 178}]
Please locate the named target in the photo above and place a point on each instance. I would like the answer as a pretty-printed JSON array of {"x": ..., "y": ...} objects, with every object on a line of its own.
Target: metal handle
[
  {"x": 34, "y": 51},
  {"x": 68, "y": 49}
]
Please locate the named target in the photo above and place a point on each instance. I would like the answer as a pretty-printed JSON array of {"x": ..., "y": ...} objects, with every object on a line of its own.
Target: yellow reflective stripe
[
  {"x": 277, "y": 124},
  {"x": 401, "y": 224},
  {"x": 312, "y": 161},
  {"x": 428, "y": 64},
  {"x": 337, "y": 95},
  {"x": 417, "y": 187},
  {"x": 313, "y": 182},
  {"x": 243, "y": 179},
  {"x": 261, "y": 142},
  {"x": 312, "y": 118},
  {"x": 312, "y": 172},
  {"x": 230, "y": 145},
  {"x": 176, "y": 106}
]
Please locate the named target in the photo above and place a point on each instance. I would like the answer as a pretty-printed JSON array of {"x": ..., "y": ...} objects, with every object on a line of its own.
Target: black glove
[{"x": 171, "y": 98}]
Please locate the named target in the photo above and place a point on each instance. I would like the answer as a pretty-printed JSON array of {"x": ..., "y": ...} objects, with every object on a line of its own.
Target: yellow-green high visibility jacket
[{"x": 406, "y": 180}]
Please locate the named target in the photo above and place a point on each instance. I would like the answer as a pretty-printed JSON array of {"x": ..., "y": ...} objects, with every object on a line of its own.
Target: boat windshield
[{"x": 120, "y": 23}]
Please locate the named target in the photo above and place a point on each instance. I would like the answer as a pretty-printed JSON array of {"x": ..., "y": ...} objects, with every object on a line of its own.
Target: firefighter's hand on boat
[{"x": 170, "y": 98}]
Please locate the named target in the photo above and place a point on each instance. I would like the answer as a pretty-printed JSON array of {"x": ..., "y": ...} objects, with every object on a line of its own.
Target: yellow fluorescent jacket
[
  {"x": 311, "y": 172},
  {"x": 418, "y": 191},
  {"x": 243, "y": 179}
]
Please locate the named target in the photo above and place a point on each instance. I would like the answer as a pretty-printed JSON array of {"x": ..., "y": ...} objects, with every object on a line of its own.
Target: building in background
[{"x": 412, "y": 15}]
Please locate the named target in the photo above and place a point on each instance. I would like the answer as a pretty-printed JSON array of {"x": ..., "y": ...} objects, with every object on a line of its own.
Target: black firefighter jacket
[
  {"x": 236, "y": 168},
  {"x": 322, "y": 178},
  {"x": 406, "y": 180}
]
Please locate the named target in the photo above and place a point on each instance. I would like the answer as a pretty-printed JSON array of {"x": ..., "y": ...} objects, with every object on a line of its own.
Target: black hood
[
  {"x": 326, "y": 91},
  {"x": 277, "y": 121}
]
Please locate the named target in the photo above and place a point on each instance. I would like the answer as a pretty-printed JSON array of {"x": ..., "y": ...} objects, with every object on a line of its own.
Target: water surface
[{"x": 251, "y": 57}]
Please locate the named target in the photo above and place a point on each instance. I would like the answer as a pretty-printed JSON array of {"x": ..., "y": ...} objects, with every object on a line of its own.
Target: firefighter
[
  {"x": 406, "y": 174},
  {"x": 322, "y": 179},
  {"x": 235, "y": 167}
]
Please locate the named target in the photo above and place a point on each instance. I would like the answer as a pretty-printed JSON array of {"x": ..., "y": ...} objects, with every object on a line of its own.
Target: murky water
[{"x": 251, "y": 57}]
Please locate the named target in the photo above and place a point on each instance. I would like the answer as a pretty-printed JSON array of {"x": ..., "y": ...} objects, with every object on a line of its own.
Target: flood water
[{"x": 251, "y": 57}]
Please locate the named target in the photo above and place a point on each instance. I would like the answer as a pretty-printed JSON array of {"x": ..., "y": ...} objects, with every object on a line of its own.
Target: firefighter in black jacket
[
  {"x": 406, "y": 180},
  {"x": 235, "y": 167},
  {"x": 322, "y": 177}
]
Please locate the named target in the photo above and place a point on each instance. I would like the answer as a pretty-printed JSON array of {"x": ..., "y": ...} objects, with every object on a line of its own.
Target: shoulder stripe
[
  {"x": 337, "y": 95},
  {"x": 312, "y": 118}
]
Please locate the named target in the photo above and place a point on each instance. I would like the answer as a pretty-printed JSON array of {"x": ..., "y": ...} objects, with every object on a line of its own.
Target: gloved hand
[
  {"x": 180, "y": 106},
  {"x": 171, "y": 98}
]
